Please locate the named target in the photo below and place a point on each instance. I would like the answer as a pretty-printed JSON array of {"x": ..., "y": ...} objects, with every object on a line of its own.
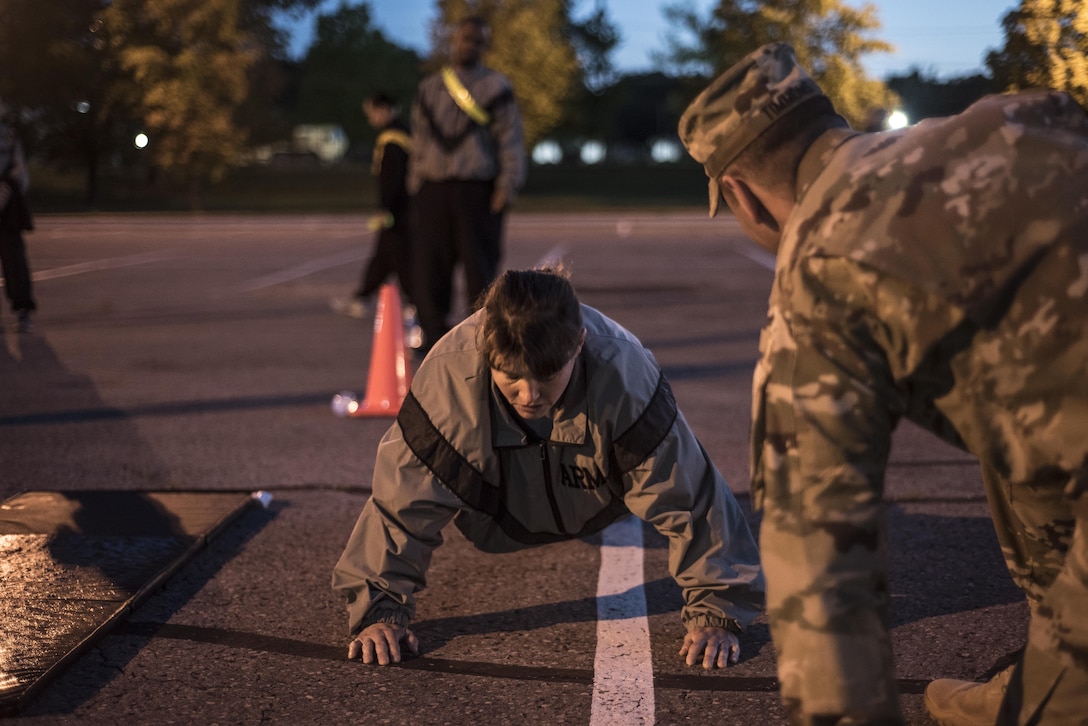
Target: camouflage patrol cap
[{"x": 741, "y": 104}]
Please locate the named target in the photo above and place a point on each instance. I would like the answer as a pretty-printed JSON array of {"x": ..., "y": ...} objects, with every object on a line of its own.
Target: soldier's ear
[
  {"x": 726, "y": 185},
  {"x": 750, "y": 211},
  {"x": 742, "y": 200}
]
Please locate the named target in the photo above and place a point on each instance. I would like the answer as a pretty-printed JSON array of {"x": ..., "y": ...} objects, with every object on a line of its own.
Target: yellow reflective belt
[{"x": 463, "y": 98}]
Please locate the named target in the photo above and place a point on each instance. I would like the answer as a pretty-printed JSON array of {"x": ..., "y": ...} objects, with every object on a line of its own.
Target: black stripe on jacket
[{"x": 451, "y": 468}]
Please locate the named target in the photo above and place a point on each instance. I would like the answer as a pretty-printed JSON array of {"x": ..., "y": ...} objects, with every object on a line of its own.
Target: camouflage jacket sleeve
[{"x": 820, "y": 440}]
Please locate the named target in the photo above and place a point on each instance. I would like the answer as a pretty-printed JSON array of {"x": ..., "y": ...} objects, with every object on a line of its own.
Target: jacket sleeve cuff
[
  {"x": 692, "y": 621},
  {"x": 393, "y": 616}
]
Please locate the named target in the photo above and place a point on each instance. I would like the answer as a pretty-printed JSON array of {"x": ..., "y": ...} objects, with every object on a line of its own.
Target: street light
[
  {"x": 592, "y": 152},
  {"x": 141, "y": 140},
  {"x": 547, "y": 152}
]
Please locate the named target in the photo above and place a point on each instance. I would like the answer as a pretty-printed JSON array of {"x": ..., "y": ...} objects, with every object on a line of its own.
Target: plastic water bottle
[
  {"x": 262, "y": 498},
  {"x": 345, "y": 403},
  {"x": 413, "y": 333}
]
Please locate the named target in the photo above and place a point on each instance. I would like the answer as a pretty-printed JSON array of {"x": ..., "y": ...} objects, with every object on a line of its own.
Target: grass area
[{"x": 347, "y": 188}]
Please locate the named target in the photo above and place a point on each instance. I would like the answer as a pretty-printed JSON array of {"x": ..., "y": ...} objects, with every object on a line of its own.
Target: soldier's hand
[
  {"x": 381, "y": 643},
  {"x": 380, "y": 221},
  {"x": 498, "y": 200},
  {"x": 716, "y": 647}
]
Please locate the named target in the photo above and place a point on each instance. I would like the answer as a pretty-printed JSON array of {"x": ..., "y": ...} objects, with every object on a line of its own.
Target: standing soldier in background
[
  {"x": 467, "y": 165},
  {"x": 938, "y": 273},
  {"x": 14, "y": 220},
  {"x": 391, "y": 222}
]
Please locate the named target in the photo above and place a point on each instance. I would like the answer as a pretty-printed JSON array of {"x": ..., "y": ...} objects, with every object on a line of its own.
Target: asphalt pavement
[{"x": 198, "y": 353}]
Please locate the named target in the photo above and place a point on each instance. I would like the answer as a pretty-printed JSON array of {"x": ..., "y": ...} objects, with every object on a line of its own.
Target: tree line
[{"x": 208, "y": 79}]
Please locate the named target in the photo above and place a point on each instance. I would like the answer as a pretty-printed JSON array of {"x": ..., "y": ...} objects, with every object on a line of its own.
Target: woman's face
[{"x": 532, "y": 397}]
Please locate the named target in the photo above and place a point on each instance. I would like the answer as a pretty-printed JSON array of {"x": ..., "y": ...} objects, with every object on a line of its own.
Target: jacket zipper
[{"x": 550, "y": 488}]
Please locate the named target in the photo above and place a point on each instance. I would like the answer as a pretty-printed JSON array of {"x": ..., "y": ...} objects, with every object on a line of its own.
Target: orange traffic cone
[{"x": 390, "y": 375}]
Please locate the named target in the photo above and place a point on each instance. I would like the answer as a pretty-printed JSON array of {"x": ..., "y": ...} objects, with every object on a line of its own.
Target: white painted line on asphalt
[
  {"x": 308, "y": 268},
  {"x": 111, "y": 263},
  {"x": 758, "y": 255},
  {"x": 552, "y": 258},
  {"x": 609, "y": 219},
  {"x": 623, "y": 674}
]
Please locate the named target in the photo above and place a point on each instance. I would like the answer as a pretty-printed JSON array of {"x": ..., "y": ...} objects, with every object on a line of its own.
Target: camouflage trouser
[
  {"x": 1034, "y": 528},
  {"x": 829, "y": 622},
  {"x": 1047, "y": 553},
  {"x": 830, "y": 625}
]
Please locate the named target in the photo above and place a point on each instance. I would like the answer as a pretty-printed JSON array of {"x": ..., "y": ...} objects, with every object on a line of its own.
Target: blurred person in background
[
  {"x": 467, "y": 165},
  {"x": 14, "y": 220},
  {"x": 392, "y": 222}
]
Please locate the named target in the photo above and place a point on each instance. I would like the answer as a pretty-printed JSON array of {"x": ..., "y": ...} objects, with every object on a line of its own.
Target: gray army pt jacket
[
  {"x": 618, "y": 444},
  {"x": 448, "y": 145}
]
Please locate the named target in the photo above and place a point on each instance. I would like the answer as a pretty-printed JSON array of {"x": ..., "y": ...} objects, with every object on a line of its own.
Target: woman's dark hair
[{"x": 532, "y": 322}]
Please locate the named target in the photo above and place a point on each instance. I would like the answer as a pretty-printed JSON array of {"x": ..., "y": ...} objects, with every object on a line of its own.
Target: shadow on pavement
[
  {"x": 64, "y": 695},
  {"x": 62, "y": 453}
]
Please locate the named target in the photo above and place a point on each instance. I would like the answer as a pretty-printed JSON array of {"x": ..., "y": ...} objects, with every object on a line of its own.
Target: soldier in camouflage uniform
[{"x": 937, "y": 273}]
